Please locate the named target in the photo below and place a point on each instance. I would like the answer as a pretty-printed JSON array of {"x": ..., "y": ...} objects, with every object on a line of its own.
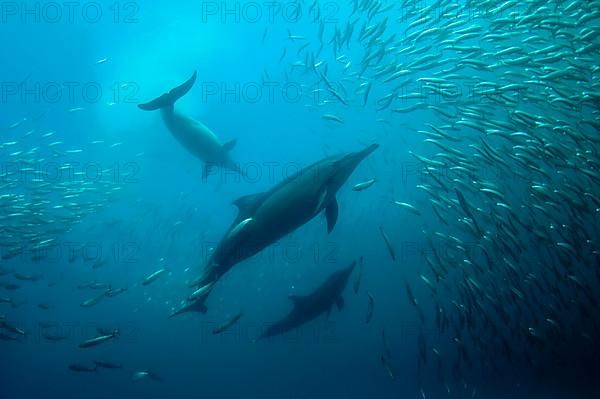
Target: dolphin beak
[
  {"x": 360, "y": 155},
  {"x": 351, "y": 267},
  {"x": 357, "y": 157}
]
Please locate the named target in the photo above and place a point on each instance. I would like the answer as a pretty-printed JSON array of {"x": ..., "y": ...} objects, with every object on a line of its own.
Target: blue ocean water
[{"x": 105, "y": 196}]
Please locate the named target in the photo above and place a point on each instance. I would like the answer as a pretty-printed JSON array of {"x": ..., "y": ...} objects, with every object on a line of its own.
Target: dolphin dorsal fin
[{"x": 247, "y": 201}]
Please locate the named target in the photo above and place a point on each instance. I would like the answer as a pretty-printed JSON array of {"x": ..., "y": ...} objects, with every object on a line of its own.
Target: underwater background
[{"x": 477, "y": 243}]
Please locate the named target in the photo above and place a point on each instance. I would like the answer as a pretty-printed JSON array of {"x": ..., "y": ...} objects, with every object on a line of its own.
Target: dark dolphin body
[
  {"x": 193, "y": 135},
  {"x": 264, "y": 218},
  {"x": 309, "y": 307}
]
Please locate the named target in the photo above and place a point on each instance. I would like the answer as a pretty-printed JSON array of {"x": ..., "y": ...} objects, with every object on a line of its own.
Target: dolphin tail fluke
[
  {"x": 209, "y": 276},
  {"x": 196, "y": 306},
  {"x": 182, "y": 89},
  {"x": 178, "y": 312},
  {"x": 168, "y": 99}
]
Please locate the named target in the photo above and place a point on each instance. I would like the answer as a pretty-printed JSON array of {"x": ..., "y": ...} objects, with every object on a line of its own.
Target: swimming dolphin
[
  {"x": 309, "y": 307},
  {"x": 192, "y": 134},
  {"x": 266, "y": 217}
]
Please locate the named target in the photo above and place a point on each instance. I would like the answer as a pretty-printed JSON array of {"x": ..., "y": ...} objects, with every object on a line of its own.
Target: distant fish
[
  {"x": 370, "y": 308},
  {"x": 331, "y": 117},
  {"x": 388, "y": 367},
  {"x": 99, "y": 264},
  {"x": 358, "y": 276},
  {"x": 463, "y": 204},
  {"x": 10, "y": 286},
  {"x": 408, "y": 207},
  {"x": 294, "y": 37},
  {"x": 387, "y": 352},
  {"x": 113, "y": 292},
  {"x": 92, "y": 301},
  {"x": 264, "y": 35},
  {"x": 17, "y": 123},
  {"x": 4, "y": 272},
  {"x": 141, "y": 375},
  {"x": 364, "y": 185},
  {"x": 366, "y": 94},
  {"x": 83, "y": 286},
  {"x": 227, "y": 324},
  {"x": 426, "y": 280},
  {"x": 7, "y": 337},
  {"x": 6, "y": 300},
  {"x": 77, "y": 109},
  {"x": 102, "y": 61},
  {"x": 153, "y": 277},
  {"x": 80, "y": 368},
  {"x": 106, "y": 365},
  {"x": 11, "y": 328},
  {"x": 201, "y": 292},
  {"x": 411, "y": 296},
  {"x": 387, "y": 243},
  {"x": 26, "y": 277},
  {"x": 99, "y": 286},
  {"x": 99, "y": 340}
]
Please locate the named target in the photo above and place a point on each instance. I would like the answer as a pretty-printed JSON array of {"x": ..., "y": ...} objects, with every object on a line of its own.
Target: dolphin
[
  {"x": 309, "y": 307},
  {"x": 266, "y": 217},
  {"x": 196, "y": 137}
]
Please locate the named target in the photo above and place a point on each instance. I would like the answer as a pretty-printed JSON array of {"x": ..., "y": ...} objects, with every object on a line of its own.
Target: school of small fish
[
  {"x": 509, "y": 95},
  {"x": 510, "y": 92}
]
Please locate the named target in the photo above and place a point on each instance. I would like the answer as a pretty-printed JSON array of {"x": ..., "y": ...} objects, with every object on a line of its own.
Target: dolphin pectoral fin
[
  {"x": 196, "y": 306},
  {"x": 331, "y": 214},
  {"x": 228, "y": 146},
  {"x": 168, "y": 99},
  {"x": 340, "y": 303}
]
